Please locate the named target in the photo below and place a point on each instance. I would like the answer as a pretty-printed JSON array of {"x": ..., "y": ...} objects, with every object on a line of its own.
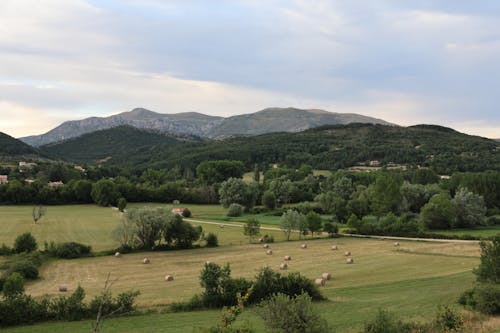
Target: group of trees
[{"x": 148, "y": 229}]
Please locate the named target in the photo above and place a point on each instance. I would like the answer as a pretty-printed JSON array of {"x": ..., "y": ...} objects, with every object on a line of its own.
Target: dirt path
[{"x": 240, "y": 225}]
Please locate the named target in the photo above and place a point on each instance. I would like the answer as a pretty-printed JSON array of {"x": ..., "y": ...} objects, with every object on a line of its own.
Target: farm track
[{"x": 240, "y": 225}]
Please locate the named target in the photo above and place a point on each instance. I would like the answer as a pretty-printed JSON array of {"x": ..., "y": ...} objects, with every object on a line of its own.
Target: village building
[
  {"x": 178, "y": 211},
  {"x": 4, "y": 179},
  {"x": 55, "y": 184}
]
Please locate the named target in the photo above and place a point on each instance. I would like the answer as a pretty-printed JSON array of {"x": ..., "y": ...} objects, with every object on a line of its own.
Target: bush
[
  {"x": 447, "y": 320},
  {"x": 212, "y": 240},
  {"x": 5, "y": 250},
  {"x": 235, "y": 210},
  {"x": 13, "y": 286},
  {"x": 385, "y": 322},
  {"x": 493, "y": 220},
  {"x": 267, "y": 238},
  {"x": 25, "y": 243},
  {"x": 122, "y": 204},
  {"x": 70, "y": 250},
  {"x": 268, "y": 283},
  {"x": 27, "y": 268},
  {"x": 186, "y": 213},
  {"x": 489, "y": 268},
  {"x": 69, "y": 308},
  {"x": 286, "y": 314},
  {"x": 331, "y": 228},
  {"x": 484, "y": 298}
]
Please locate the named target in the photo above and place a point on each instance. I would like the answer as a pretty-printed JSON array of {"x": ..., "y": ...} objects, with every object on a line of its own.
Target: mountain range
[{"x": 201, "y": 125}]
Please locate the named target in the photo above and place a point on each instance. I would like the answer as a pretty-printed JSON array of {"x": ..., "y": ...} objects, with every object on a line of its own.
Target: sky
[{"x": 408, "y": 62}]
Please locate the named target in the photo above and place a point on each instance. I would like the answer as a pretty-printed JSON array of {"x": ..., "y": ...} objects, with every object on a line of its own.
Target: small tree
[
  {"x": 122, "y": 204},
  {"x": 38, "y": 213},
  {"x": 251, "y": 228},
  {"x": 489, "y": 268},
  {"x": 439, "y": 212},
  {"x": 13, "y": 286},
  {"x": 285, "y": 314},
  {"x": 331, "y": 228},
  {"x": 269, "y": 200},
  {"x": 25, "y": 243},
  {"x": 292, "y": 220},
  {"x": 313, "y": 222},
  {"x": 235, "y": 210}
]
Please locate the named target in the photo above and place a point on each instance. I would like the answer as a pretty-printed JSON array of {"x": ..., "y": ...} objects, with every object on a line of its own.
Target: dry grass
[{"x": 376, "y": 261}]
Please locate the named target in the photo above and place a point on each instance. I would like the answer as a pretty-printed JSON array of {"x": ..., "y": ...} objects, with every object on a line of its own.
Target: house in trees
[
  {"x": 178, "y": 211},
  {"x": 4, "y": 179},
  {"x": 55, "y": 184}
]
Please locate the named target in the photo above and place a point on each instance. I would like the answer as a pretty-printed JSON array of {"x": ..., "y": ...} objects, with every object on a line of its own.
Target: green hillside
[
  {"x": 106, "y": 144},
  {"x": 11, "y": 147},
  {"x": 327, "y": 147}
]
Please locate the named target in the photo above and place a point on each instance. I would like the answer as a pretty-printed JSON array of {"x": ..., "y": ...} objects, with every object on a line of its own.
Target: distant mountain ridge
[{"x": 197, "y": 124}]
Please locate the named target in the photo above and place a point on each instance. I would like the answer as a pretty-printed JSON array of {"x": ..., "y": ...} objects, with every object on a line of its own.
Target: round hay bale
[
  {"x": 396, "y": 244},
  {"x": 261, "y": 240},
  {"x": 334, "y": 247},
  {"x": 207, "y": 262},
  {"x": 349, "y": 261},
  {"x": 169, "y": 278},
  {"x": 326, "y": 276},
  {"x": 266, "y": 246},
  {"x": 287, "y": 258},
  {"x": 347, "y": 253},
  {"x": 146, "y": 261},
  {"x": 269, "y": 252},
  {"x": 304, "y": 246},
  {"x": 320, "y": 282},
  {"x": 63, "y": 288},
  {"x": 283, "y": 266},
  {"x": 118, "y": 254},
  {"x": 221, "y": 226}
]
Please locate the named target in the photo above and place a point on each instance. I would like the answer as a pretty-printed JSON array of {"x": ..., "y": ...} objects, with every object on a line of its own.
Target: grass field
[
  {"x": 478, "y": 232},
  {"x": 81, "y": 223},
  {"x": 375, "y": 261},
  {"x": 411, "y": 280}
]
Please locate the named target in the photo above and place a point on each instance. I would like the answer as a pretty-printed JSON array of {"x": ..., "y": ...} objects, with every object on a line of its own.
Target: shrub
[
  {"x": 493, "y": 220},
  {"x": 286, "y": 314},
  {"x": 268, "y": 238},
  {"x": 385, "y": 322},
  {"x": 70, "y": 250},
  {"x": 25, "y": 243},
  {"x": 27, "y": 268},
  {"x": 121, "y": 304},
  {"x": 186, "y": 213},
  {"x": 69, "y": 308},
  {"x": 484, "y": 298},
  {"x": 13, "y": 286},
  {"x": 122, "y": 204},
  {"x": 235, "y": 210},
  {"x": 447, "y": 320},
  {"x": 489, "y": 268},
  {"x": 212, "y": 240},
  {"x": 5, "y": 250},
  {"x": 331, "y": 228},
  {"x": 268, "y": 282}
]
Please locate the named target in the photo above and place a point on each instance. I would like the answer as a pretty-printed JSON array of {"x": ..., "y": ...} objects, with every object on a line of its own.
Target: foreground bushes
[
  {"x": 220, "y": 289},
  {"x": 18, "y": 308},
  {"x": 484, "y": 298}
]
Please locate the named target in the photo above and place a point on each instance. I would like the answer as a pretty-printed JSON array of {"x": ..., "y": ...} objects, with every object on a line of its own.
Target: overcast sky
[{"x": 432, "y": 62}]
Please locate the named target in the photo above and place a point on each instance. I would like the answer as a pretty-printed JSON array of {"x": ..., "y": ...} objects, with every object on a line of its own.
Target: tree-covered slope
[
  {"x": 11, "y": 147},
  {"x": 333, "y": 147},
  {"x": 106, "y": 144}
]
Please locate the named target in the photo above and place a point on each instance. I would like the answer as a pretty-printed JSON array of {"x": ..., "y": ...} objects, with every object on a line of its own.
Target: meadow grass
[
  {"x": 476, "y": 232},
  {"x": 376, "y": 261},
  {"x": 86, "y": 224}
]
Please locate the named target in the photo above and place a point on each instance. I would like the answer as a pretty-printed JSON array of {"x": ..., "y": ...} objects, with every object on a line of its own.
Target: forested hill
[
  {"x": 327, "y": 147},
  {"x": 10, "y": 147},
  {"x": 99, "y": 146}
]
